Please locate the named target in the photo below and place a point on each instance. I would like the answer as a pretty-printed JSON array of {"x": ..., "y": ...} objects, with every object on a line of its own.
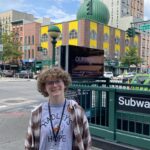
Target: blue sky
[{"x": 57, "y": 10}]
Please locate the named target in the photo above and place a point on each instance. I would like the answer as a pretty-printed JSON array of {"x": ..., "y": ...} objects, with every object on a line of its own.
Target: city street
[{"x": 17, "y": 98}]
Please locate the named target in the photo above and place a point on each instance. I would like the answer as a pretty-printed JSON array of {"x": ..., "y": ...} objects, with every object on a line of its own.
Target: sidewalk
[
  {"x": 13, "y": 129},
  {"x": 15, "y": 79}
]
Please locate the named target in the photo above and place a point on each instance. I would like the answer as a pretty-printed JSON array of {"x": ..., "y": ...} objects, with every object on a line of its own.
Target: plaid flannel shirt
[{"x": 81, "y": 133}]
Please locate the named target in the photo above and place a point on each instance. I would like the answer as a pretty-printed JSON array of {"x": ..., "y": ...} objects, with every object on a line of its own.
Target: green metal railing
[{"x": 109, "y": 121}]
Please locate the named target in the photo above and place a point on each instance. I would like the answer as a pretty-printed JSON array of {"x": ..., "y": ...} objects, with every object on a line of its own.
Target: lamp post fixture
[{"x": 54, "y": 33}]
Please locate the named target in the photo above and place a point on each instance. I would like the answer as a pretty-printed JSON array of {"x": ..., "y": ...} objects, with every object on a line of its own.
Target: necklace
[{"x": 55, "y": 133}]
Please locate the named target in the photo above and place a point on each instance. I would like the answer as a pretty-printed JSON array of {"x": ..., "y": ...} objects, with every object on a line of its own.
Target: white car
[
  {"x": 125, "y": 75},
  {"x": 108, "y": 74}
]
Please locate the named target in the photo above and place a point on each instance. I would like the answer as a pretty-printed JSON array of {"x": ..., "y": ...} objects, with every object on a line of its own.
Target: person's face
[{"x": 55, "y": 87}]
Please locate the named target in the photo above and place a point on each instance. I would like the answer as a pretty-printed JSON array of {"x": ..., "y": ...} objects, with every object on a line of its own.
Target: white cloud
[
  {"x": 58, "y": 15},
  {"x": 146, "y": 9}
]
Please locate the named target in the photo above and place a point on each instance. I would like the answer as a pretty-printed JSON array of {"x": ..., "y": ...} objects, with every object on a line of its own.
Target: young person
[{"x": 59, "y": 123}]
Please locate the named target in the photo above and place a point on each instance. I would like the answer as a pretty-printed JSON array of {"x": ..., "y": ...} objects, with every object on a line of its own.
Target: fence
[{"x": 118, "y": 115}]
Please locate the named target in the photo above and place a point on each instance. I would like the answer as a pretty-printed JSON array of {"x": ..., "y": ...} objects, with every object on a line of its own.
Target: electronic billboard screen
[{"x": 82, "y": 62}]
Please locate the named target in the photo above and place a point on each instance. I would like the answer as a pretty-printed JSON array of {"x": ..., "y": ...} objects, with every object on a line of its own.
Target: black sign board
[
  {"x": 133, "y": 102},
  {"x": 82, "y": 62}
]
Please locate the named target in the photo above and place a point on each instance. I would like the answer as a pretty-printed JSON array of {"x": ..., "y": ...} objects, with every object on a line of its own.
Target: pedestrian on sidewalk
[{"x": 59, "y": 123}]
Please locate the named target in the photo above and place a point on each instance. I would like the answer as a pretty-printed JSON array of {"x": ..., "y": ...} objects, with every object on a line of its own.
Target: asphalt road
[
  {"x": 17, "y": 98},
  {"x": 21, "y": 94}
]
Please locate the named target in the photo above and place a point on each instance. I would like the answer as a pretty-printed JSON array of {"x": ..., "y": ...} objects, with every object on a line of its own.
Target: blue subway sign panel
[{"x": 133, "y": 103}]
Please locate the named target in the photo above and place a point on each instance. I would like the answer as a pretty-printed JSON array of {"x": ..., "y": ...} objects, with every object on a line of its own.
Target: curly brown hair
[{"x": 52, "y": 73}]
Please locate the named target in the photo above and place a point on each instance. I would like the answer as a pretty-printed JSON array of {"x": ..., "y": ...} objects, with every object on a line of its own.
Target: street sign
[
  {"x": 1, "y": 47},
  {"x": 145, "y": 27}
]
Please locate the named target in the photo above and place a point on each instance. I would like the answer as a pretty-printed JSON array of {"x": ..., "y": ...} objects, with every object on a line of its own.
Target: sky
[{"x": 57, "y": 10}]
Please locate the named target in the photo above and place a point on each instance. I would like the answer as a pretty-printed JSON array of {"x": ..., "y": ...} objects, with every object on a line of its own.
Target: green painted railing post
[{"x": 112, "y": 113}]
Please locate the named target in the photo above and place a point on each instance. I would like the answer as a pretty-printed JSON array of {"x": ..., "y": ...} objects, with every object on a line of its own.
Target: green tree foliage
[
  {"x": 131, "y": 57},
  {"x": 10, "y": 47}
]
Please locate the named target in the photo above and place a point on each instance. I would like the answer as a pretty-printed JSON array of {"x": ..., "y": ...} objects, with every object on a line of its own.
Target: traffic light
[
  {"x": 89, "y": 7},
  {"x": 131, "y": 32}
]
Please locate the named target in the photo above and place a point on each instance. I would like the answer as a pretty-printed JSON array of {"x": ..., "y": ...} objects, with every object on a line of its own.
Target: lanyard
[{"x": 58, "y": 128}]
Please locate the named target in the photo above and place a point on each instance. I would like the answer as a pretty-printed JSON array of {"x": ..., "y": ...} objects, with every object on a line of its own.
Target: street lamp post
[{"x": 54, "y": 33}]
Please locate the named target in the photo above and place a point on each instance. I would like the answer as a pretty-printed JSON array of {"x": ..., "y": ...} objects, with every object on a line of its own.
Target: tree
[
  {"x": 131, "y": 57},
  {"x": 11, "y": 46}
]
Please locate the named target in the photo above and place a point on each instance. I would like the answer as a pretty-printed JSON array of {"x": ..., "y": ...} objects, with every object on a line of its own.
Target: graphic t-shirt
[{"x": 64, "y": 138}]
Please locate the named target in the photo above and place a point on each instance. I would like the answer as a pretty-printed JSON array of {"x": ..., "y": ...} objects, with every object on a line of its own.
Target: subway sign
[{"x": 133, "y": 103}]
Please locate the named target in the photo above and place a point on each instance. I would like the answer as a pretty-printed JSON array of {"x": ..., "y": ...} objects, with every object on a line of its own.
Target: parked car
[
  {"x": 8, "y": 73},
  {"x": 140, "y": 78},
  {"x": 125, "y": 76},
  {"x": 1, "y": 73},
  {"x": 143, "y": 79},
  {"x": 25, "y": 74},
  {"x": 108, "y": 74}
]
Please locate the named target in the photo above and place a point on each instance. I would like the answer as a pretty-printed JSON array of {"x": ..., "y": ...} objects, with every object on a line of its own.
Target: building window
[
  {"x": 73, "y": 34},
  {"x": 28, "y": 54},
  {"x": 136, "y": 44},
  {"x": 25, "y": 54},
  {"x": 45, "y": 52},
  {"x": 127, "y": 42},
  {"x": 117, "y": 54},
  {"x": 32, "y": 53},
  {"x": 44, "y": 37},
  {"x": 106, "y": 53},
  {"x": 32, "y": 39},
  {"x": 29, "y": 40},
  {"x": 117, "y": 40},
  {"x": 106, "y": 37},
  {"x": 93, "y": 35},
  {"x": 25, "y": 40},
  {"x": 21, "y": 39},
  {"x": 16, "y": 36}
]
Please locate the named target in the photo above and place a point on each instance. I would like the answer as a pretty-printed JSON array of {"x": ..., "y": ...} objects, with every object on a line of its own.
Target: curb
[{"x": 15, "y": 80}]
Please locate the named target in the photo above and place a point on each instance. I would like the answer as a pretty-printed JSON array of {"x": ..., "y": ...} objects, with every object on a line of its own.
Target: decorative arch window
[
  {"x": 44, "y": 37},
  {"x": 93, "y": 35},
  {"x": 127, "y": 42},
  {"x": 117, "y": 40},
  {"x": 106, "y": 37},
  {"x": 73, "y": 34}
]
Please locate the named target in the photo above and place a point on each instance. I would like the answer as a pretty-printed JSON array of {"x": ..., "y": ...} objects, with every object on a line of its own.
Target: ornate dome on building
[{"x": 100, "y": 12}]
